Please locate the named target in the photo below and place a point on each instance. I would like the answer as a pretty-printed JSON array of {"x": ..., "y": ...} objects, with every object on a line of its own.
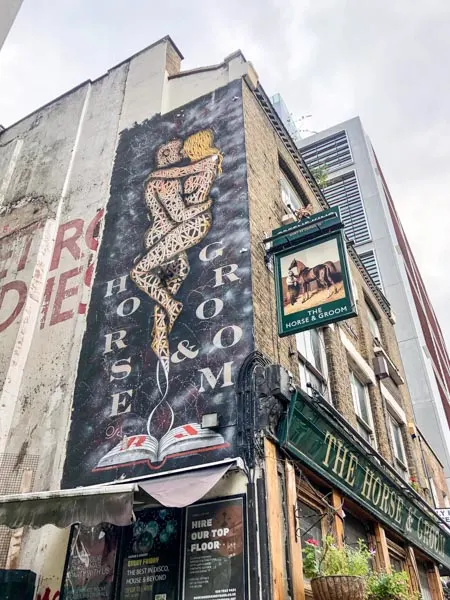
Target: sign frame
[
  {"x": 322, "y": 314},
  {"x": 74, "y": 530},
  {"x": 179, "y": 515},
  {"x": 237, "y": 497}
]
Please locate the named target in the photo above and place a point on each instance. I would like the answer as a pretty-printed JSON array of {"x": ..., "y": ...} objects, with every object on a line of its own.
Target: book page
[
  {"x": 130, "y": 449},
  {"x": 188, "y": 437}
]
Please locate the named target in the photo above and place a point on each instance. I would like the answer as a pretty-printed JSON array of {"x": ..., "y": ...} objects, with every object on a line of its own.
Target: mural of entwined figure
[{"x": 177, "y": 198}]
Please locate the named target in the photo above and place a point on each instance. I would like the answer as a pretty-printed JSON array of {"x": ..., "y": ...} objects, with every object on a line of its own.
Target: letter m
[{"x": 207, "y": 377}]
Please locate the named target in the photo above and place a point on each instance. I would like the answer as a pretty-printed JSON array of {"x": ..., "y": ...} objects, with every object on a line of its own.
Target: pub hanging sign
[{"x": 312, "y": 277}]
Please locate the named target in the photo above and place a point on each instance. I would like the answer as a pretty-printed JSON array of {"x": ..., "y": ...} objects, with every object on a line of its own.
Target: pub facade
[{"x": 199, "y": 374}]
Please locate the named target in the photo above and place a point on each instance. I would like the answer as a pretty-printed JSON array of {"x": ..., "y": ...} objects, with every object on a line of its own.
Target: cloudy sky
[{"x": 385, "y": 60}]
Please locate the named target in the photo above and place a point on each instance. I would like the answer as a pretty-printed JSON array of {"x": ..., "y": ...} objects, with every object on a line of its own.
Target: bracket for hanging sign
[
  {"x": 312, "y": 274},
  {"x": 313, "y": 227}
]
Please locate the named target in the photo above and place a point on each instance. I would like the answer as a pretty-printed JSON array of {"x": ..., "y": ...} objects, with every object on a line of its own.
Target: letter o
[
  {"x": 121, "y": 308},
  {"x": 377, "y": 482},
  {"x": 236, "y": 333},
  {"x": 218, "y": 307}
]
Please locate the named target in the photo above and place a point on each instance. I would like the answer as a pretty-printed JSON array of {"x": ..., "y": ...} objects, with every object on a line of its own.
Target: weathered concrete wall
[{"x": 55, "y": 170}]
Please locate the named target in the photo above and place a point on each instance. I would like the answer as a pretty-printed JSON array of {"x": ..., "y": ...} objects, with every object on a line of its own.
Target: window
[
  {"x": 399, "y": 449},
  {"x": 423, "y": 579},
  {"x": 289, "y": 194},
  {"x": 354, "y": 530},
  {"x": 362, "y": 408},
  {"x": 397, "y": 555},
  {"x": 373, "y": 323},
  {"x": 344, "y": 193},
  {"x": 434, "y": 496},
  {"x": 310, "y": 522},
  {"x": 332, "y": 152},
  {"x": 312, "y": 361},
  {"x": 396, "y": 563}
]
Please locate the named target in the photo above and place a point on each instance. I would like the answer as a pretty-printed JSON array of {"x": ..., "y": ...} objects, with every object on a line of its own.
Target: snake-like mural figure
[{"x": 177, "y": 198}]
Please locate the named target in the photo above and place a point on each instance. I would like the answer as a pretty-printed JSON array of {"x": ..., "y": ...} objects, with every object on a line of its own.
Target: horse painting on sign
[
  {"x": 306, "y": 287},
  {"x": 322, "y": 275}
]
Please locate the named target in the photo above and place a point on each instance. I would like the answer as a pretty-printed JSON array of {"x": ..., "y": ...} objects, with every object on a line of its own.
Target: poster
[
  {"x": 313, "y": 285},
  {"x": 215, "y": 556},
  {"x": 91, "y": 564},
  {"x": 170, "y": 317},
  {"x": 151, "y": 560}
]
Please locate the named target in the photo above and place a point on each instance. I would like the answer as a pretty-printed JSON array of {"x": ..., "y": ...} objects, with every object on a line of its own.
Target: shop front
[
  {"x": 181, "y": 536},
  {"x": 346, "y": 489}
]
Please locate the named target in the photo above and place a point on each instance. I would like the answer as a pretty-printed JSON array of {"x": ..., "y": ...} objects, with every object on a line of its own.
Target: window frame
[
  {"x": 396, "y": 415},
  {"x": 433, "y": 491},
  {"x": 373, "y": 320},
  {"x": 402, "y": 461},
  {"x": 367, "y": 426},
  {"x": 285, "y": 181},
  {"x": 397, "y": 553},
  {"x": 358, "y": 520},
  {"x": 308, "y": 368},
  {"x": 306, "y": 496}
]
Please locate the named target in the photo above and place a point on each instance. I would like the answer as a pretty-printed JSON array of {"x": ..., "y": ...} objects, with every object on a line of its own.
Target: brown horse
[{"x": 321, "y": 274}]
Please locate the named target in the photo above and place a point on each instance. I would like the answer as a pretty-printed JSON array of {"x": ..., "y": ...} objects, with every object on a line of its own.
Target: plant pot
[{"x": 338, "y": 587}]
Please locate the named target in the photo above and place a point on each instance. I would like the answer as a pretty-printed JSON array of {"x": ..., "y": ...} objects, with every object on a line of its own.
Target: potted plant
[
  {"x": 390, "y": 586},
  {"x": 336, "y": 572}
]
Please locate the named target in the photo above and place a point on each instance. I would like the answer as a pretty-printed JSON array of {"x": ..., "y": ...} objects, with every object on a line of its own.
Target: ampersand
[
  {"x": 185, "y": 350},
  {"x": 409, "y": 521}
]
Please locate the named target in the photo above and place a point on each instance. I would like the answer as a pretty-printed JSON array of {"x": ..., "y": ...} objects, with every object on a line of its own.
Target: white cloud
[{"x": 385, "y": 60}]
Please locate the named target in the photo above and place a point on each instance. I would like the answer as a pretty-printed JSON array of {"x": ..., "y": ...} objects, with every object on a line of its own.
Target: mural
[{"x": 170, "y": 317}]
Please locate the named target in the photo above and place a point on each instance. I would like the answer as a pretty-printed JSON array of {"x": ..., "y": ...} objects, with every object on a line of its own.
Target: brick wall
[
  {"x": 435, "y": 471},
  {"x": 266, "y": 210},
  {"x": 265, "y": 151}
]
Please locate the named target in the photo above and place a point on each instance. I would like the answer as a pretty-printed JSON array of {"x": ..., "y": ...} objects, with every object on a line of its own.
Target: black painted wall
[{"x": 95, "y": 431}]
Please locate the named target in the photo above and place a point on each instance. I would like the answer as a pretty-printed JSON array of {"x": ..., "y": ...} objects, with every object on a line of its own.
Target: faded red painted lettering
[
  {"x": 70, "y": 243},
  {"x": 4, "y": 256},
  {"x": 16, "y": 286},
  {"x": 82, "y": 308},
  {"x": 92, "y": 231},
  {"x": 46, "y": 300},
  {"x": 25, "y": 252},
  {"x": 62, "y": 293},
  {"x": 47, "y": 595}
]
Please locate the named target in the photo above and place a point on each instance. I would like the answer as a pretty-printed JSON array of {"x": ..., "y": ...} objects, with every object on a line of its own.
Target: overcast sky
[{"x": 385, "y": 60}]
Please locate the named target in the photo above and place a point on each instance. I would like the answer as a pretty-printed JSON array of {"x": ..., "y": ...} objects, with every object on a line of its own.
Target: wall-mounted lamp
[{"x": 210, "y": 421}]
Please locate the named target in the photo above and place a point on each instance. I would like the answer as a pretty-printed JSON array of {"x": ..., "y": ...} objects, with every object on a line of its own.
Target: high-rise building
[
  {"x": 8, "y": 12},
  {"x": 355, "y": 183}
]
